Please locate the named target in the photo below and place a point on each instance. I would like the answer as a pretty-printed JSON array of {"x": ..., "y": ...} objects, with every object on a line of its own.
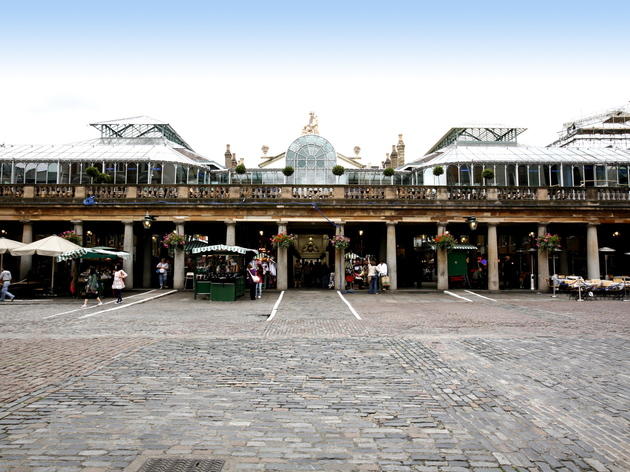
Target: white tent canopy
[{"x": 51, "y": 246}]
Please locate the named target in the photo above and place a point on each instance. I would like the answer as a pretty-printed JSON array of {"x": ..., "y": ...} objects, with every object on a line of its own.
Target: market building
[{"x": 140, "y": 180}]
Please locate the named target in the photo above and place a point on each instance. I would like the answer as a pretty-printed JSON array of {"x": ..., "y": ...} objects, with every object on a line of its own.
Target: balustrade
[
  {"x": 360, "y": 192},
  {"x": 261, "y": 192},
  {"x": 567, "y": 193},
  {"x": 162, "y": 192},
  {"x": 467, "y": 193},
  {"x": 54, "y": 191},
  {"x": 312, "y": 193},
  {"x": 11, "y": 191},
  {"x": 516, "y": 193},
  {"x": 416, "y": 193},
  {"x": 107, "y": 192},
  {"x": 209, "y": 192},
  {"x": 613, "y": 193}
]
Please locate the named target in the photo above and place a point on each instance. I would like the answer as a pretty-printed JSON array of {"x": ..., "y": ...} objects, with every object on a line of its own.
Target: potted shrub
[
  {"x": 389, "y": 172},
  {"x": 240, "y": 169},
  {"x": 288, "y": 171},
  {"x": 437, "y": 171},
  {"x": 338, "y": 170},
  {"x": 487, "y": 174},
  {"x": 283, "y": 240}
]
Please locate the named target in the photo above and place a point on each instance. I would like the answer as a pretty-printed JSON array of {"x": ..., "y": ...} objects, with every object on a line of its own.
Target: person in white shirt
[
  {"x": 381, "y": 268},
  {"x": 372, "y": 278},
  {"x": 5, "y": 278}
]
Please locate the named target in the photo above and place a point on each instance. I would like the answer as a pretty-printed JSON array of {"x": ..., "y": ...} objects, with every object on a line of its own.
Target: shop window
[
  {"x": 75, "y": 173},
  {"x": 181, "y": 172},
  {"x": 477, "y": 170},
  {"x": 464, "y": 174},
  {"x": 132, "y": 172},
  {"x": 20, "y": 171},
  {"x": 544, "y": 176},
  {"x": 121, "y": 174},
  {"x": 611, "y": 172},
  {"x": 589, "y": 175},
  {"x": 567, "y": 176},
  {"x": 555, "y": 175},
  {"x": 623, "y": 175}
]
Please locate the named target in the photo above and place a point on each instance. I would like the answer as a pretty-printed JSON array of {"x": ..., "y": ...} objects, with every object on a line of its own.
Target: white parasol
[
  {"x": 7, "y": 245},
  {"x": 51, "y": 246}
]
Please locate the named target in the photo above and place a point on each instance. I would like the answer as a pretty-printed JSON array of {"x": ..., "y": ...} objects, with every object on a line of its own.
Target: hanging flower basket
[
  {"x": 340, "y": 241},
  {"x": 548, "y": 242},
  {"x": 283, "y": 240},
  {"x": 444, "y": 241},
  {"x": 173, "y": 241},
  {"x": 71, "y": 236}
]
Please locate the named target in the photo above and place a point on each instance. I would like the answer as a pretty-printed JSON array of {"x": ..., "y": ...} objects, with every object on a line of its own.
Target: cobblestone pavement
[{"x": 423, "y": 382}]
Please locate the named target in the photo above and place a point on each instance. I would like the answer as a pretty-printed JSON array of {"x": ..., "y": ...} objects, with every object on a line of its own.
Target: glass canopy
[{"x": 312, "y": 157}]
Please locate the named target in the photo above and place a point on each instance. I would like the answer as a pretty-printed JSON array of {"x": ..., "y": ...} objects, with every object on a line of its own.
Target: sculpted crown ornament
[{"x": 313, "y": 125}]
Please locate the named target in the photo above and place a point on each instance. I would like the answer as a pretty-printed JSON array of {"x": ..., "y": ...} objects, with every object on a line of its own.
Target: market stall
[{"x": 220, "y": 271}]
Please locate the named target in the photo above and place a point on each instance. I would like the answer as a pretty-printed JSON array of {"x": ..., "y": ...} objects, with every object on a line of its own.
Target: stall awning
[
  {"x": 462, "y": 247},
  {"x": 92, "y": 253},
  {"x": 223, "y": 249}
]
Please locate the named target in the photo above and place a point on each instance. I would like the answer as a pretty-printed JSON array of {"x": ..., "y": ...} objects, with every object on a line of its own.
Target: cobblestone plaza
[{"x": 405, "y": 381}]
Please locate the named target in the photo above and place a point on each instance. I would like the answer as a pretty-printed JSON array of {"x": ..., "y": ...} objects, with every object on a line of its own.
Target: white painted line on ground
[
  {"x": 94, "y": 306},
  {"x": 457, "y": 296},
  {"x": 354, "y": 312},
  {"x": 473, "y": 293},
  {"x": 126, "y": 305},
  {"x": 274, "y": 310}
]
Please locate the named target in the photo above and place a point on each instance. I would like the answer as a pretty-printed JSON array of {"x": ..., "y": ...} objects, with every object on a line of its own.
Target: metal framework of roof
[
  {"x": 478, "y": 134},
  {"x": 139, "y": 127}
]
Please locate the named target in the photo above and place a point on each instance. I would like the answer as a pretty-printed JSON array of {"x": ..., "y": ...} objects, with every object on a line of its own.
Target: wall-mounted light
[
  {"x": 360, "y": 232},
  {"x": 148, "y": 221},
  {"x": 3, "y": 232},
  {"x": 616, "y": 234},
  {"x": 89, "y": 233},
  {"x": 472, "y": 222},
  {"x": 261, "y": 232}
]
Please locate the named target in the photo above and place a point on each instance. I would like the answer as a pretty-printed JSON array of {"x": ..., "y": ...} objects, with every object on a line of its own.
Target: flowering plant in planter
[
  {"x": 444, "y": 241},
  {"x": 548, "y": 242},
  {"x": 283, "y": 240},
  {"x": 71, "y": 236},
  {"x": 173, "y": 241},
  {"x": 340, "y": 241}
]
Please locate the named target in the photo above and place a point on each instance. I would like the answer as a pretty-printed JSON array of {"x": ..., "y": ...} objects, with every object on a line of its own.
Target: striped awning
[
  {"x": 223, "y": 249},
  {"x": 462, "y": 247},
  {"x": 91, "y": 253}
]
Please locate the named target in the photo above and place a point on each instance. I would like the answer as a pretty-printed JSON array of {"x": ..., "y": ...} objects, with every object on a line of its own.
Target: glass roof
[{"x": 456, "y": 154}]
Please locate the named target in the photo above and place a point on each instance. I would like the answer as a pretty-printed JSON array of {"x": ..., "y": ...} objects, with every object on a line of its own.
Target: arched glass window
[
  {"x": 29, "y": 175},
  {"x": 452, "y": 175},
  {"x": 168, "y": 173},
  {"x": 312, "y": 157},
  {"x": 464, "y": 174}
]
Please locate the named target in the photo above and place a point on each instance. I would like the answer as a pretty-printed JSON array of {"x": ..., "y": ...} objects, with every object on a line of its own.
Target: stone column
[
  {"x": 543, "y": 263},
  {"x": 282, "y": 281},
  {"x": 128, "y": 247},
  {"x": 340, "y": 270},
  {"x": 493, "y": 258},
  {"x": 27, "y": 237},
  {"x": 592, "y": 251},
  {"x": 392, "y": 270},
  {"x": 442, "y": 262},
  {"x": 230, "y": 233},
  {"x": 179, "y": 261},
  {"x": 147, "y": 266},
  {"x": 74, "y": 269}
]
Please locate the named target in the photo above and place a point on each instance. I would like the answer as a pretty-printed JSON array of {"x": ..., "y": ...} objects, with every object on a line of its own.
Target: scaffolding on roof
[
  {"x": 478, "y": 134},
  {"x": 139, "y": 127}
]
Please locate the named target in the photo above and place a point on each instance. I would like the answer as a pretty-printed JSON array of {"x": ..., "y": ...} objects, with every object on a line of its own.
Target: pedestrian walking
[
  {"x": 5, "y": 278},
  {"x": 119, "y": 283},
  {"x": 162, "y": 271},
  {"x": 372, "y": 278},
  {"x": 252, "y": 279},
  {"x": 92, "y": 288}
]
